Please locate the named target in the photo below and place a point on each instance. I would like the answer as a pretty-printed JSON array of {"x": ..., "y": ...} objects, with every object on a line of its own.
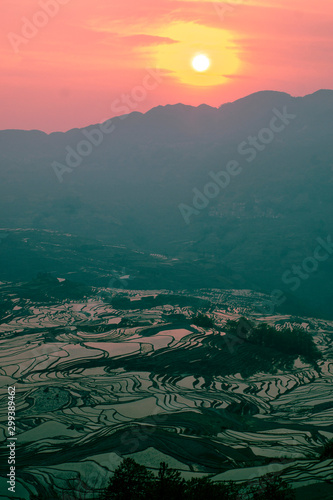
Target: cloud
[
  {"x": 101, "y": 49},
  {"x": 145, "y": 40}
]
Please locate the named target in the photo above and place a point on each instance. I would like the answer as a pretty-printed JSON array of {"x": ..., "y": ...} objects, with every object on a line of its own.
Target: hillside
[
  {"x": 133, "y": 375},
  {"x": 142, "y": 185}
]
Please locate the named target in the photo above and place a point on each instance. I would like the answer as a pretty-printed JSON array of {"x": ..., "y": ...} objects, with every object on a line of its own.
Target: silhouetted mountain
[{"x": 132, "y": 187}]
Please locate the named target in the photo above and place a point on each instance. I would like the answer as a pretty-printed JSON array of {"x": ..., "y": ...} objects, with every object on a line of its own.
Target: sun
[
  {"x": 198, "y": 55},
  {"x": 200, "y": 63}
]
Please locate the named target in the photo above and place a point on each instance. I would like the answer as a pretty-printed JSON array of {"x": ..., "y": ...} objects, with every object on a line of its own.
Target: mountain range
[{"x": 242, "y": 192}]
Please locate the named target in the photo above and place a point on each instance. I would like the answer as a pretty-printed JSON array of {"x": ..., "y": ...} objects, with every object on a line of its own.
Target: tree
[
  {"x": 204, "y": 488},
  {"x": 168, "y": 485},
  {"x": 203, "y": 321},
  {"x": 327, "y": 451},
  {"x": 273, "y": 487},
  {"x": 131, "y": 481}
]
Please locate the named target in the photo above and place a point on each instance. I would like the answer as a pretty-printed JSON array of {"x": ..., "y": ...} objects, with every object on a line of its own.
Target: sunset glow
[
  {"x": 64, "y": 63},
  {"x": 215, "y": 44}
]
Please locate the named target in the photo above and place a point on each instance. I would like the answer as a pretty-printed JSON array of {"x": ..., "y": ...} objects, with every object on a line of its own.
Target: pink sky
[{"x": 78, "y": 65}]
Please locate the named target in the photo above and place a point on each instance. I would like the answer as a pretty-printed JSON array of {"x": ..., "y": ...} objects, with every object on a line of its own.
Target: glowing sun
[
  {"x": 199, "y": 56},
  {"x": 200, "y": 63}
]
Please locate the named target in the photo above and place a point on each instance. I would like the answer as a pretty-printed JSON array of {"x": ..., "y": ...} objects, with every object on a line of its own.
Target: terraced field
[{"x": 117, "y": 374}]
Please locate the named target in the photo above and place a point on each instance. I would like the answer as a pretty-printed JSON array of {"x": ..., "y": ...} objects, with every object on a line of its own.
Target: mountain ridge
[
  {"x": 253, "y": 95},
  {"x": 129, "y": 189}
]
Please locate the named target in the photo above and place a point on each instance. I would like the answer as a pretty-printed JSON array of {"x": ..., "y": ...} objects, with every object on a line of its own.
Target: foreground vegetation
[
  {"x": 132, "y": 481},
  {"x": 288, "y": 341}
]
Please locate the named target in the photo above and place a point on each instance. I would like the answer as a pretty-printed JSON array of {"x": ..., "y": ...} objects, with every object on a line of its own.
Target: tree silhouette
[
  {"x": 327, "y": 451},
  {"x": 204, "y": 488},
  {"x": 272, "y": 487},
  {"x": 203, "y": 321},
  {"x": 131, "y": 481},
  {"x": 168, "y": 484}
]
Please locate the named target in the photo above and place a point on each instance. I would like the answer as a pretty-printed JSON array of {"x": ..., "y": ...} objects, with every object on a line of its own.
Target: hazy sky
[{"x": 70, "y": 63}]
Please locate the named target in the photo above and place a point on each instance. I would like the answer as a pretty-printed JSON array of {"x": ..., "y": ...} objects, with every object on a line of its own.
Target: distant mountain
[{"x": 245, "y": 187}]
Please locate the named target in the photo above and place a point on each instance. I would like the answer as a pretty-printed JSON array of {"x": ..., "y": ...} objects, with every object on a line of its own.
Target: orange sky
[{"x": 71, "y": 63}]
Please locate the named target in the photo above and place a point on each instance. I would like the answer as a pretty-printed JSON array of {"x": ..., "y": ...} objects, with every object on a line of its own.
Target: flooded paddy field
[{"x": 112, "y": 375}]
